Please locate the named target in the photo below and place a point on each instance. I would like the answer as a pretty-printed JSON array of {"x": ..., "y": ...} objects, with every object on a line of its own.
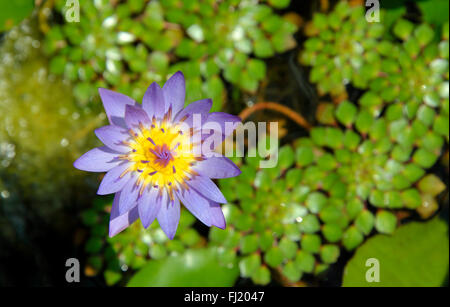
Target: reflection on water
[{"x": 42, "y": 131}]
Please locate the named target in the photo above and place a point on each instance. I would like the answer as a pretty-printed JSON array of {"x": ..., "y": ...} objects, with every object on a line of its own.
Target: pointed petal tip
[
  {"x": 148, "y": 207},
  {"x": 114, "y": 105},
  {"x": 102, "y": 90},
  {"x": 174, "y": 91},
  {"x": 169, "y": 216},
  {"x": 209, "y": 102},
  {"x": 128, "y": 108},
  {"x": 113, "y": 231},
  {"x": 170, "y": 233},
  {"x": 134, "y": 115},
  {"x": 176, "y": 79},
  {"x": 238, "y": 170},
  {"x": 178, "y": 74},
  {"x": 171, "y": 236},
  {"x": 155, "y": 84},
  {"x": 223, "y": 227},
  {"x": 75, "y": 164},
  {"x": 145, "y": 225},
  {"x": 236, "y": 118}
]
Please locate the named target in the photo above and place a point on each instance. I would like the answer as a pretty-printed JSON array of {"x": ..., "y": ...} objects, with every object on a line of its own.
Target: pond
[{"x": 362, "y": 119}]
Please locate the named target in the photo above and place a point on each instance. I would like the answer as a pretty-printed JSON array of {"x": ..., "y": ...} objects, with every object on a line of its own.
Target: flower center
[{"x": 162, "y": 155}]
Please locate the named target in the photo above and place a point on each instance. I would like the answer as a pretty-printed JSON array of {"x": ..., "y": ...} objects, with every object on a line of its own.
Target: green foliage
[
  {"x": 12, "y": 12},
  {"x": 347, "y": 182},
  {"x": 423, "y": 245},
  {"x": 128, "y": 45},
  {"x": 432, "y": 11},
  {"x": 281, "y": 227},
  {"x": 193, "y": 268},
  {"x": 409, "y": 89},
  {"x": 367, "y": 160},
  {"x": 341, "y": 50}
]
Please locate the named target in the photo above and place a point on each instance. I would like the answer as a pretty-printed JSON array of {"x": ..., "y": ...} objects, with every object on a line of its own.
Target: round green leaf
[
  {"x": 191, "y": 269},
  {"x": 425, "y": 247}
]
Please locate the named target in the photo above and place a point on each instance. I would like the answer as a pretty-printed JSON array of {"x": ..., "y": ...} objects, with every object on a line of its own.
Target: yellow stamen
[{"x": 162, "y": 156}]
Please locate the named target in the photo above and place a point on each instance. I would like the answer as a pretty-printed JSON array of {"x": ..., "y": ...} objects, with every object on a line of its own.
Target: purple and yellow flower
[{"x": 151, "y": 158}]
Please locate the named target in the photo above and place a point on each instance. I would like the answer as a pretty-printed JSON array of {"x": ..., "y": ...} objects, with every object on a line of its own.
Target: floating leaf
[
  {"x": 385, "y": 222},
  {"x": 431, "y": 184},
  {"x": 192, "y": 269},
  {"x": 424, "y": 245}
]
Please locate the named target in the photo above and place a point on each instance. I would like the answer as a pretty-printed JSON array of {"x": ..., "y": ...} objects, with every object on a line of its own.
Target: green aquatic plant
[
  {"x": 273, "y": 222},
  {"x": 352, "y": 176},
  {"x": 328, "y": 192},
  {"x": 127, "y": 45},
  {"x": 342, "y": 49},
  {"x": 415, "y": 81}
]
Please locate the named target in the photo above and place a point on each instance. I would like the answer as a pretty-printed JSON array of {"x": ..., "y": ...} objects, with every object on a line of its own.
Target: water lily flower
[{"x": 150, "y": 159}]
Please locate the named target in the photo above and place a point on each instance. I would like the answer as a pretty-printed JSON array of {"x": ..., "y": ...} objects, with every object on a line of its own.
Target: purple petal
[
  {"x": 117, "y": 222},
  {"x": 153, "y": 101},
  {"x": 207, "y": 188},
  {"x": 222, "y": 118},
  {"x": 217, "y": 218},
  {"x": 112, "y": 182},
  {"x": 174, "y": 92},
  {"x": 149, "y": 205},
  {"x": 115, "y": 206},
  {"x": 169, "y": 215},
  {"x": 217, "y": 167},
  {"x": 114, "y": 104},
  {"x": 135, "y": 116},
  {"x": 100, "y": 159},
  {"x": 208, "y": 212},
  {"x": 201, "y": 107},
  {"x": 112, "y": 136},
  {"x": 128, "y": 196},
  {"x": 196, "y": 204}
]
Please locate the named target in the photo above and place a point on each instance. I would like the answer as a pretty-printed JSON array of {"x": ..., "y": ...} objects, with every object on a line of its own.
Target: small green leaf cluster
[
  {"x": 342, "y": 49},
  {"x": 126, "y": 45},
  {"x": 409, "y": 67},
  {"x": 414, "y": 79},
  {"x": 277, "y": 218}
]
